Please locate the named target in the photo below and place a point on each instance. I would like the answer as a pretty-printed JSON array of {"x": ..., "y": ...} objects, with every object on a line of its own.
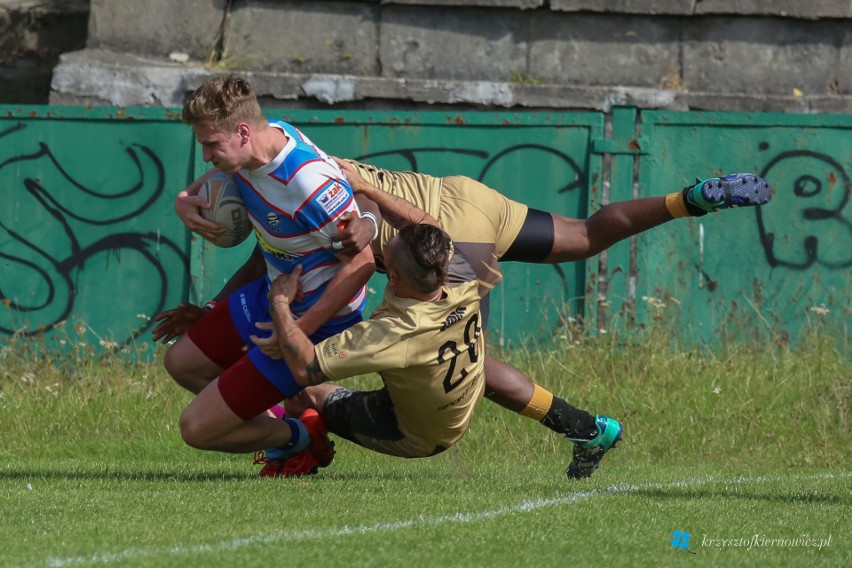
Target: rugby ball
[{"x": 226, "y": 208}]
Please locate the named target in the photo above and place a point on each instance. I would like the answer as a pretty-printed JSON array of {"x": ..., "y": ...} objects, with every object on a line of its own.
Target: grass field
[{"x": 747, "y": 450}]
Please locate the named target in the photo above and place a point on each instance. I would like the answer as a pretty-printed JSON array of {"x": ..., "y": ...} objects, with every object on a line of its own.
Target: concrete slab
[
  {"x": 746, "y": 103},
  {"x": 461, "y": 44},
  {"x": 520, "y": 4},
  {"x": 812, "y": 9},
  {"x": 91, "y": 77},
  {"x": 844, "y": 66},
  {"x": 156, "y": 27},
  {"x": 120, "y": 79},
  {"x": 760, "y": 56},
  {"x": 304, "y": 37},
  {"x": 586, "y": 49},
  {"x": 662, "y": 7}
]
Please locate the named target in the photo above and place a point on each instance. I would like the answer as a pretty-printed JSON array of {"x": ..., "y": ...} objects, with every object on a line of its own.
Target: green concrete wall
[{"x": 88, "y": 235}]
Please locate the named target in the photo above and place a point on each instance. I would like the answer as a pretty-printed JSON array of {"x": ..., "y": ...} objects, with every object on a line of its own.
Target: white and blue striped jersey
[{"x": 295, "y": 202}]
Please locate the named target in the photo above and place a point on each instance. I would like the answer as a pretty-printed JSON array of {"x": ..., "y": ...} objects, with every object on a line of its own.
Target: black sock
[{"x": 572, "y": 422}]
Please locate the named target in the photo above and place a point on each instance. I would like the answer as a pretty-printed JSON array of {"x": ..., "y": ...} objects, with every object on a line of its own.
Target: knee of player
[
  {"x": 172, "y": 361},
  {"x": 178, "y": 362},
  {"x": 193, "y": 430}
]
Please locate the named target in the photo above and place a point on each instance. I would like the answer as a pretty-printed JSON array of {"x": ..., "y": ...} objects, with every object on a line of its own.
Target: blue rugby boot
[
  {"x": 588, "y": 453},
  {"x": 733, "y": 190}
]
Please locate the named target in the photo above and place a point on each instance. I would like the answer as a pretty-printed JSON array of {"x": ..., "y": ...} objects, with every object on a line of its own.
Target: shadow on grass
[
  {"x": 25, "y": 475},
  {"x": 180, "y": 477}
]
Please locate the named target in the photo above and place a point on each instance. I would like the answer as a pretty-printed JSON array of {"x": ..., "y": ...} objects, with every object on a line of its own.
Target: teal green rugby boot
[
  {"x": 588, "y": 453},
  {"x": 732, "y": 190}
]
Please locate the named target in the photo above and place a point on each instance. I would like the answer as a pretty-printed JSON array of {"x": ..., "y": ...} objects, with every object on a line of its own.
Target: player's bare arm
[
  {"x": 296, "y": 349},
  {"x": 358, "y": 232},
  {"x": 395, "y": 210},
  {"x": 354, "y": 273}
]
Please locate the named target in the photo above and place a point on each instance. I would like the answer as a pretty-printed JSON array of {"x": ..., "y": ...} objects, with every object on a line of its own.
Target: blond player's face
[{"x": 224, "y": 150}]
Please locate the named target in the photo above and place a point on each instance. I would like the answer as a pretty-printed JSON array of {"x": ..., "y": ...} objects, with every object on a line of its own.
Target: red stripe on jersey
[
  {"x": 317, "y": 267},
  {"x": 260, "y": 195},
  {"x": 302, "y": 165},
  {"x": 307, "y": 252},
  {"x": 357, "y": 296},
  {"x": 307, "y": 142}
]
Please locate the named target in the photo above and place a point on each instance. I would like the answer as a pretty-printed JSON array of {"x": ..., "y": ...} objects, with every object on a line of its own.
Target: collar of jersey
[{"x": 279, "y": 158}]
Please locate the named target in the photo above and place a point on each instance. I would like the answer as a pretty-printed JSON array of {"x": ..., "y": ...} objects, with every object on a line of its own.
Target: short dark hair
[{"x": 423, "y": 256}]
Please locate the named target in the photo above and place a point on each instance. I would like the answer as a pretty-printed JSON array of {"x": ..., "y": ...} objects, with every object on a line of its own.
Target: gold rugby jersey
[
  {"x": 469, "y": 211},
  {"x": 430, "y": 355}
]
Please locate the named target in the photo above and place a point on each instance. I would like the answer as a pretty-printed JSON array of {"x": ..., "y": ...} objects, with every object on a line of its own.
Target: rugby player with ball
[{"x": 295, "y": 196}]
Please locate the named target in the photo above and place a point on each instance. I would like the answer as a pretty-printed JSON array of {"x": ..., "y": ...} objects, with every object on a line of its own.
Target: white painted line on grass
[{"x": 295, "y": 536}]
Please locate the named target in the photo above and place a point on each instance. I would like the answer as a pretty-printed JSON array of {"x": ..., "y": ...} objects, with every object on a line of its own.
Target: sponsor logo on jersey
[
  {"x": 268, "y": 248},
  {"x": 332, "y": 198},
  {"x": 244, "y": 306},
  {"x": 273, "y": 219},
  {"x": 455, "y": 317},
  {"x": 460, "y": 398}
]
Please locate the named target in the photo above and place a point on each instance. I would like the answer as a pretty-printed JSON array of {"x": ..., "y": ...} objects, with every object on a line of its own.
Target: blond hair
[{"x": 224, "y": 102}]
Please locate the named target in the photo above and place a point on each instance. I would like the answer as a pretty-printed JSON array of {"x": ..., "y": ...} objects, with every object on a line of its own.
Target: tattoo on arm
[
  {"x": 297, "y": 348},
  {"x": 315, "y": 374}
]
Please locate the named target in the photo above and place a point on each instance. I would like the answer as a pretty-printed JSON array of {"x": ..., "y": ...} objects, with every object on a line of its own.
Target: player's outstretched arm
[
  {"x": 188, "y": 206},
  {"x": 173, "y": 323},
  {"x": 296, "y": 348},
  {"x": 353, "y": 274},
  {"x": 395, "y": 210}
]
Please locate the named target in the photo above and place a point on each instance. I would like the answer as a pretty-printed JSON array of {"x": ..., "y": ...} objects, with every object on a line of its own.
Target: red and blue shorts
[{"x": 251, "y": 381}]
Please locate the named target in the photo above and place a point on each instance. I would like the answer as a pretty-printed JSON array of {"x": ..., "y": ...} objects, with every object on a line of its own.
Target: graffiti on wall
[
  {"x": 69, "y": 248},
  {"x": 821, "y": 189},
  {"x": 97, "y": 239}
]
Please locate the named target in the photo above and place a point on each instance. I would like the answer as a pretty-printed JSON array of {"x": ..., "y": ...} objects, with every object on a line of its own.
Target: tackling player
[
  {"x": 488, "y": 227},
  {"x": 425, "y": 339}
]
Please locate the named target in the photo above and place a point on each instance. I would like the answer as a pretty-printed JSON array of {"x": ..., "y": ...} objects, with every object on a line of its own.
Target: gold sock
[
  {"x": 675, "y": 205},
  {"x": 539, "y": 403}
]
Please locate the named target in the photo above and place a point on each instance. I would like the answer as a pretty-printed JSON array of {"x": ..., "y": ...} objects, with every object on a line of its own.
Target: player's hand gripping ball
[{"x": 227, "y": 208}]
